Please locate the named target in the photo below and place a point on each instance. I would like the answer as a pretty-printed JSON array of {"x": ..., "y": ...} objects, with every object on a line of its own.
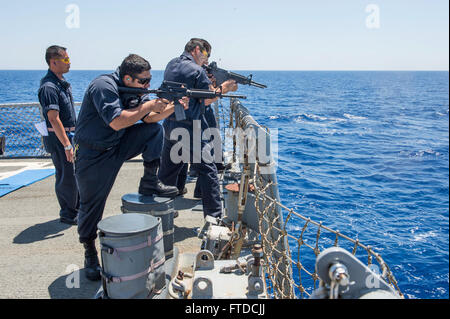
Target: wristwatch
[{"x": 68, "y": 147}]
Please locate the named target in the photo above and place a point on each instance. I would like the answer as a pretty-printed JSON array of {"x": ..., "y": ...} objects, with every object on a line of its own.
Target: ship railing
[
  {"x": 19, "y": 138},
  {"x": 291, "y": 242}
]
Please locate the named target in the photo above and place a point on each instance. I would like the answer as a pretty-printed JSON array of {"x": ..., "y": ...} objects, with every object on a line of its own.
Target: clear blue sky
[{"x": 245, "y": 34}]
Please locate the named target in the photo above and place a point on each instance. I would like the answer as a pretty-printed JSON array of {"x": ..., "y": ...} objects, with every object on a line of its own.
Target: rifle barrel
[
  {"x": 234, "y": 96},
  {"x": 193, "y": 93},
  {"x": 126, "y": 89},
  {"x": 258, "y": 85}
]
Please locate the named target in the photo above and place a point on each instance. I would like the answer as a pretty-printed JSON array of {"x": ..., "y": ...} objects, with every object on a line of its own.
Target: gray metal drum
[
  {"x": 132, "y": 255},
  {"x": 161, "y": 207}
]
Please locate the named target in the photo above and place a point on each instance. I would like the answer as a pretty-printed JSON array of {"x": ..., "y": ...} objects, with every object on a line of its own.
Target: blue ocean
[{"x": 366, "y": 153}]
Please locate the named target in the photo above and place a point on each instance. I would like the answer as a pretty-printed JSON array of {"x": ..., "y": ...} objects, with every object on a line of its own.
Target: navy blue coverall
[
  {"x": 56, "y": 94},
  {"x": 101, "y": 151},
  {"x": 183, "y": 69},
  {"x": 210, "y": 119}
]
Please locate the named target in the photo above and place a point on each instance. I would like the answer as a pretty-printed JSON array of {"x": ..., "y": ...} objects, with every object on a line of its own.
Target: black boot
[
  {"x": 151, "y": 185},
  {"x": 68, "y": 220},
  {"x": 197, "y": 190},
  {"x": 91, "y": 263},
  {"x": 183, "y": 191}
]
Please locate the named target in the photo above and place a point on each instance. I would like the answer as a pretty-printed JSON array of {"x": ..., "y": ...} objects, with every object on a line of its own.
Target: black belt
[{"x": 93, "y": 146}]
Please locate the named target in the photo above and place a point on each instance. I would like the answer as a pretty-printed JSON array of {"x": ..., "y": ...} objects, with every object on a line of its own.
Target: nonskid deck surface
[{"x": 39, "y": 254}]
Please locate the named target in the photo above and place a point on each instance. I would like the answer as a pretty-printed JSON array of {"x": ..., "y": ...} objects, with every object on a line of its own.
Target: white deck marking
[{"x": 26, "y": 166}]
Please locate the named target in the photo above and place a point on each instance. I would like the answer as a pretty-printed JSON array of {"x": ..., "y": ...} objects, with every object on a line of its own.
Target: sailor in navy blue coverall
[
  {"x": 188, "y": 69},
  {"x": 55, "y": 97},
  {"x": 106, "y": 136}
]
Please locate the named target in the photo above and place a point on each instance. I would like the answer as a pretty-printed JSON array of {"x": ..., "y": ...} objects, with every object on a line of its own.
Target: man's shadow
[
  {"x": 182, "y": 233},
  {"x": 39, "y": 232}
]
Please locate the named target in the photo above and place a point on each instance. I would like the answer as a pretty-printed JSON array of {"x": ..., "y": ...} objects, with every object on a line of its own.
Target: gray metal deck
[{"x": 37, "y": 251}]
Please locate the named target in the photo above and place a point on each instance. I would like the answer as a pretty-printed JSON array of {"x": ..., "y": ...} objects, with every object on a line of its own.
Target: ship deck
[{"x": 38, "y": 252}]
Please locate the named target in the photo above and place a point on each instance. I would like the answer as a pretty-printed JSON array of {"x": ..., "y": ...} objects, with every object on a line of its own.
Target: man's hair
[
  {"x": 133, "y": 65},
  {"x": 52, "y": 52},
  {"x": 201, "y": 43}
]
